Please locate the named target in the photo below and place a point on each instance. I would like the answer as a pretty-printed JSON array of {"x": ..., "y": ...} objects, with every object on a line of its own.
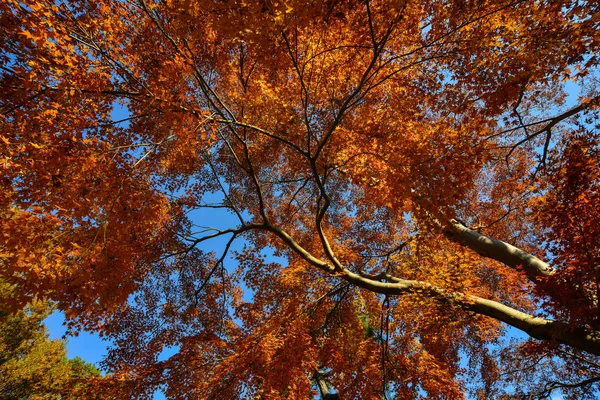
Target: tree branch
[
  {"x": 499, "y": 251},
  {"x": 495, "y": 249},
  {"x": 539, "y": 328},
  {"x": 536, "y": 327},
  {"x": 551, "y": 386}
]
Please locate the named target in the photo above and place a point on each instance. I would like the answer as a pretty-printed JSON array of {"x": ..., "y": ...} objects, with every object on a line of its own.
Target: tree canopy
[
  {"x": 32, "y": 366},
  {"x": 407, "y": 192}
]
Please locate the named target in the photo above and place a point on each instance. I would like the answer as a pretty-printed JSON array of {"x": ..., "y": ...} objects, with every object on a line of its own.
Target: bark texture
[{"x": 499, "y": 251}]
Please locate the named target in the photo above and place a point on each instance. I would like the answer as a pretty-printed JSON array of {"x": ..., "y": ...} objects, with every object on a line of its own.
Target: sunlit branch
[
  {"x": 297, "y": 248},
  {"x": 536, "y": 327},
  {"x": 323, "y": 386},
  {"x": 321, "y": 211},
  {"x": 498, "y": 250},
  {"x": 495, "y": 249}
]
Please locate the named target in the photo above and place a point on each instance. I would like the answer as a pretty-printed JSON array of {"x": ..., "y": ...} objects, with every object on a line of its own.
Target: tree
[
  {"x": 33, "y": 366},
  {"x": 408, "y": 185}
]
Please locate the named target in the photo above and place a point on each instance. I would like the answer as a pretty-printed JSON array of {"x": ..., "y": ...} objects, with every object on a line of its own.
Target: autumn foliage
[
  {"x": 32, "y": 366},
  {"x": 290, "y": 199}
]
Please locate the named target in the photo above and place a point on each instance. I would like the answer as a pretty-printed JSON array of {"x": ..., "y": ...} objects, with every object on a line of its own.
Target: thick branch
[
  {"x": 298, "y": 249},
  {"x": 485, "y": 246},
  {"x": 499, "y": 251},
  {"x": 538, "y": 328},
  {"x": 323, "y": 387}
]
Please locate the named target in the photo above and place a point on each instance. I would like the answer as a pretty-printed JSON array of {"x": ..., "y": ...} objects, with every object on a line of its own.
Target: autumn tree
[
  {"x": 32, "y": 366},
  {"x": 405, "y": 192}
]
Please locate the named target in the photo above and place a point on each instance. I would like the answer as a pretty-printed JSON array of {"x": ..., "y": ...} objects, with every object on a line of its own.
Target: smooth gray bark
[
  {"x": 324, "y": 387},
  {"x": 536, "y": 327},
  {"x": 499, "y": 251},
  {"x": 539, "y": 328}
]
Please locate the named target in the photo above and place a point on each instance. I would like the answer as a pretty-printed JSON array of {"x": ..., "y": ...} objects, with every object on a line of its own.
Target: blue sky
[{"x": 86, "y": 345}]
